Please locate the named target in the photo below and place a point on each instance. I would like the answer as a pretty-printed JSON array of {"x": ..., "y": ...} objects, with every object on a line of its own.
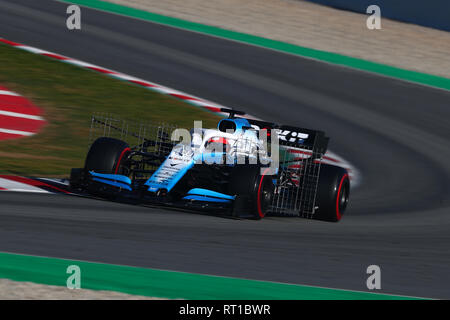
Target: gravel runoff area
[
  {"x": 310, "y": 25},
  {"x": 13, "y": 290}
]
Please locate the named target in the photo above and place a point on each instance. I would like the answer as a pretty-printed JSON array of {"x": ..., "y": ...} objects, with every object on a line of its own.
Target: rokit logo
[
  {"x": 292, "y": 136},
  {"x": 286, "y": 135}
]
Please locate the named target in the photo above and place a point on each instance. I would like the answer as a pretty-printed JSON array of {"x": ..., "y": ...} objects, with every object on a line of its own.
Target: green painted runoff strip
[
  {"x": 330, "y": 57},
  {"x": 164, "y": 284}
]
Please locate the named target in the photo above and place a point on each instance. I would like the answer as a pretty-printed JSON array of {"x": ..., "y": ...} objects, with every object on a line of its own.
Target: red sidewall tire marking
[
  {"x": 260, "y": 213},
  {"x": 120, "y": 159},
  {"x": 338, "y": 213}
]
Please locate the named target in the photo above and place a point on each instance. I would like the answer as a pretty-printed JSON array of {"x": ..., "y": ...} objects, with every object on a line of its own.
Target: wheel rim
[
  {"x": 265, "y": 194},
  {"x": 343, "y": 199},
  {"x": 266, "y": 199}
]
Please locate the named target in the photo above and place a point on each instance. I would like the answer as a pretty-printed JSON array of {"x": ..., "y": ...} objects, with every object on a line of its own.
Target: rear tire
[
  {"x": 332, "y": 193},
  {"x": 106, "y": 155}
]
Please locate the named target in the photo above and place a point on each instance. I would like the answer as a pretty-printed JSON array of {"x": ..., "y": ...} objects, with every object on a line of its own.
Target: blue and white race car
[{"x": 243, "y": 168}]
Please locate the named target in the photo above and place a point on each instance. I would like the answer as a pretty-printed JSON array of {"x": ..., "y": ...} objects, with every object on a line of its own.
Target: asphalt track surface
[{"x": 396, "y": 133}]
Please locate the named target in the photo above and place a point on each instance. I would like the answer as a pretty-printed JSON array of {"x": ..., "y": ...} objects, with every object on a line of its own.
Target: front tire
[{"x": 107, "y": 155}]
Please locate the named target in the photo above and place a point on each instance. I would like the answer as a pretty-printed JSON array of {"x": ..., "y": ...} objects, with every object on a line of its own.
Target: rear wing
[{"x": 295, "y": 137}]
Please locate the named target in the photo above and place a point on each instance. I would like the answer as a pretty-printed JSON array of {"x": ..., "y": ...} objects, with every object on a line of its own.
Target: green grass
[{"x": 69, "y": 95}]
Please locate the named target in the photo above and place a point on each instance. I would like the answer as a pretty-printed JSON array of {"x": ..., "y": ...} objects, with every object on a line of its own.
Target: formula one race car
[{"x": 244, "y": 168}]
